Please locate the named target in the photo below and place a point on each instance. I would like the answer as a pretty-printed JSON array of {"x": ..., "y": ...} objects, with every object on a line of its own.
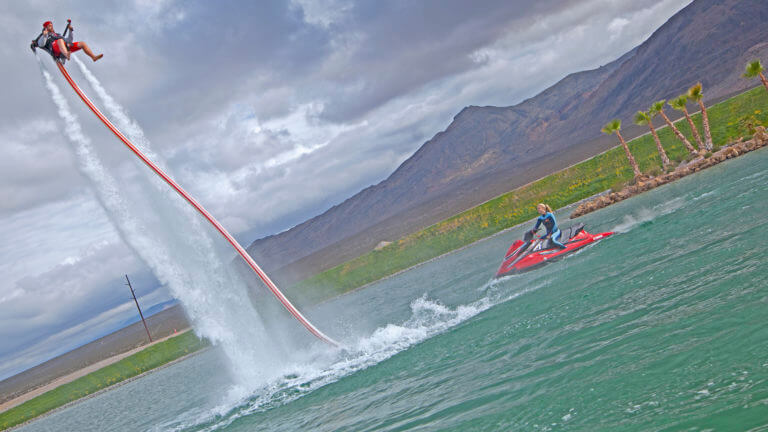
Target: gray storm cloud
[{"x": 269, "y": 113}]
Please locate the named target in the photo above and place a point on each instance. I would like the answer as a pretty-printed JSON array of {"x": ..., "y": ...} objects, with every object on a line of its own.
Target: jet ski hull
[{"x": 527, "y": 255}]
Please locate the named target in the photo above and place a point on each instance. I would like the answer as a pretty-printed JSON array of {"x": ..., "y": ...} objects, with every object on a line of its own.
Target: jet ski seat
[{"x": 571, "y": 232}]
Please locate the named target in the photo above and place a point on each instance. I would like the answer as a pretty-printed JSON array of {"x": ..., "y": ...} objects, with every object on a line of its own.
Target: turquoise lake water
[{"x": 659, "y": 327}]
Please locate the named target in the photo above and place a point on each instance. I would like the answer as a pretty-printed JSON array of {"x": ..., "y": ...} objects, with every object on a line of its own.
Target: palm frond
[
  {"x": 642, "y": 118},
  {"x": 753, "y": 69},
  {"x": 611, "y": 127},
  {"x": 679, "y": 103},
  {"x": 696, "y": 92},
  {"x": 656, "y": 107}
]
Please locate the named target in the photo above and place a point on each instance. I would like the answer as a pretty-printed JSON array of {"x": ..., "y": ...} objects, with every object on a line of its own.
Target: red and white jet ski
[{"x": 532, "y": 252}]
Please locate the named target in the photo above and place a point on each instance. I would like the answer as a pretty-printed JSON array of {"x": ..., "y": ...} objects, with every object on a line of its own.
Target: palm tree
[
  {"x": 697, "y": 94},
  {"x": 658, "y": 107},
  {"x": 680, "y": 104},
  {"x": 755, "y": 68},
  {"x": 614, "y": 126},
  {"x": 646, "y": 118}
]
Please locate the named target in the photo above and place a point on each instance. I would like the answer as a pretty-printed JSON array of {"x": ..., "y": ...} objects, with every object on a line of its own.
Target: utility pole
[{"x": 137, "y": 307}]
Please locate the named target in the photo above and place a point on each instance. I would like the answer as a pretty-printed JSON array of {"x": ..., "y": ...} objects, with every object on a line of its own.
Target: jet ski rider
[
  {"x": 548, "y": 219},
  {"x": 60, "y": 46}
]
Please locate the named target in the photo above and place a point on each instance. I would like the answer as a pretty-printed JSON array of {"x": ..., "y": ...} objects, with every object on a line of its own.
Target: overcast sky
[{"x": 268, "y": 112}]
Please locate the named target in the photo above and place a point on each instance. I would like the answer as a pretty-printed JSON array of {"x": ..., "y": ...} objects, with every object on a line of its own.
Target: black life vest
[
  {"x": 48, "y": 47},
  {"x": 53, "y": 37}
]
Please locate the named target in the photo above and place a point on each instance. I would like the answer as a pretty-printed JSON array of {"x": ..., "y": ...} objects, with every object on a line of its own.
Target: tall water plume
[{"x": 183, "y": 253}]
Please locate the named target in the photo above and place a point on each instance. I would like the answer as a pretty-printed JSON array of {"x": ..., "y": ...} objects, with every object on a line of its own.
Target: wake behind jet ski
[{"x": 532, "y": 252}]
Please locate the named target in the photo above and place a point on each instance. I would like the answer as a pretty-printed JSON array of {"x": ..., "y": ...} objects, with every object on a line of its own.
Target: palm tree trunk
[
  {"x": 664, "y": 159},
  {"x": 765, "y": 81},
  {"x": 678, "y": 134},
  {"x": 631, "y": 158},
  {"x": 693, "y": 129},
  {"x": 705, "y": 121}
]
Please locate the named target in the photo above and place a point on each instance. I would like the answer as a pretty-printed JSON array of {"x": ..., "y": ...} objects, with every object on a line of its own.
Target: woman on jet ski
[{"x": 548, "y": 219}]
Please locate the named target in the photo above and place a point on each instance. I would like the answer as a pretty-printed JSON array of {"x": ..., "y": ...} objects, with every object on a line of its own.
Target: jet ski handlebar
[{"x": 528, "y": 236}]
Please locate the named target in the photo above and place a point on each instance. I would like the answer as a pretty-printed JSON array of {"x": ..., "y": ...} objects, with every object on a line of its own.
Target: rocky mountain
[{"x": 489, "y": 150}]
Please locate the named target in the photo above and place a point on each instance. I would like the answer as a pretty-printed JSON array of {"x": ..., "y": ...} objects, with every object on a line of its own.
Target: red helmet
[{"x": 46, "y": 24}]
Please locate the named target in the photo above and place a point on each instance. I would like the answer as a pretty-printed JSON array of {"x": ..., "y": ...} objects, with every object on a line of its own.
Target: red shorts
[{"x": 72, "y": 48}]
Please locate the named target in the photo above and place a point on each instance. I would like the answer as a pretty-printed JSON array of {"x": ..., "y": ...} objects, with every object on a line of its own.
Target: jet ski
[{"x": 531, "y": 252}]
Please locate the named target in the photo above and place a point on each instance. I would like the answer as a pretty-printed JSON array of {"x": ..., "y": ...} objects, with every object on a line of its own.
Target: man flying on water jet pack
[{"x": 61, "y": 46}]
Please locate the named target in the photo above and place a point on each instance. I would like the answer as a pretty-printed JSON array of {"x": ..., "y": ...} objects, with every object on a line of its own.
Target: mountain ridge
[{"x": 486, "y": 151}]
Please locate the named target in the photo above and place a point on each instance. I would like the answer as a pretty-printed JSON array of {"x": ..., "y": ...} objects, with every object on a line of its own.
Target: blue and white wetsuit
[{"x": 550, "y": 224}]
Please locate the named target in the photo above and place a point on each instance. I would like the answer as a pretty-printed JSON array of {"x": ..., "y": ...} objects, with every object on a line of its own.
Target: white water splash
[
  {"x": 179, "y": 250},
  {"x": 136, "y": 135},
  {"x": 428, "y": 318},
  {"x": 646, "y": 215},
  {"x": 90, "y": 166},
  {"x": 119, "y": 115}
]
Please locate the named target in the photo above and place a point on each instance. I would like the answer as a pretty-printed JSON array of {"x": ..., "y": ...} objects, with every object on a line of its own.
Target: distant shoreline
[
  {"x": 758, "y": 141},
  {"x": 18, "y": 400},
  {"x": 112, "y": 372},
  {"x": 106, "y": 389},
  {"x": 598, "y": 200},
  {"x": 575, "y": 183}
]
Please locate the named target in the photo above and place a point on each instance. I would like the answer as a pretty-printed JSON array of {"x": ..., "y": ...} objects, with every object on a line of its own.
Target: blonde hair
[{"x": 546, "y": 207}]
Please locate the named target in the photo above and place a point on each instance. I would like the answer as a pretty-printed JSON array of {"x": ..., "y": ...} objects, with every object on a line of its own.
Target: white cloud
[
  {"x": 267, "y": 120},
  {"x": 36, "y": 143},
  {"x": 323, "y": 12},
  {"x": 616, "y": 26},
  {"x": 37, "y": 239},
  {"x": 158, "y": 15},
  {"x": 71, "y": 292}
]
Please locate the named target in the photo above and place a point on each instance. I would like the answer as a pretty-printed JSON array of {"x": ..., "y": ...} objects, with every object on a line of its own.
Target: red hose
[{"x": 240, "y": 250}]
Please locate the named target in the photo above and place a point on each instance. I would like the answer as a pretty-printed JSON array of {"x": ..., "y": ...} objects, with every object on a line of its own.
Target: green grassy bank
[
  {"x": 729, "y": 120},
  {"x": 136, "y": 364}
]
